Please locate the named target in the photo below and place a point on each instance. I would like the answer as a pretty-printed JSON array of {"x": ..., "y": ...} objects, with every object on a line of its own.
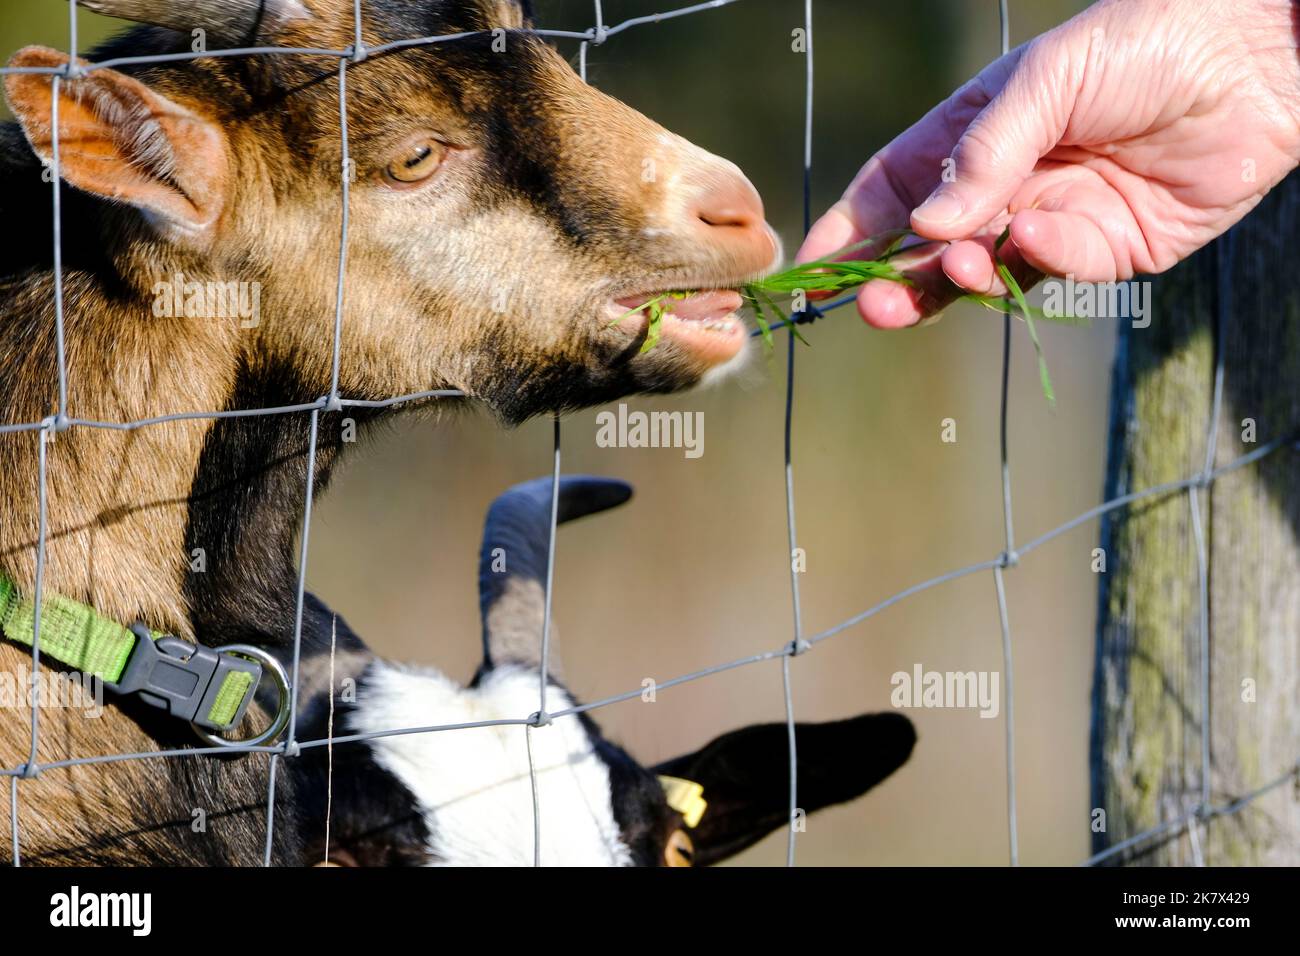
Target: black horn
[{"x": 512, "y": 562}]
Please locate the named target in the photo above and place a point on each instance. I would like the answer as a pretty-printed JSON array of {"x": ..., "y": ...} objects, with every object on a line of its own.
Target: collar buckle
[{"x": 187, "y": 680}]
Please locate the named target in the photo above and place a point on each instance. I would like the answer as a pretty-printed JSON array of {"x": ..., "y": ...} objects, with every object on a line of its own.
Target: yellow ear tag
[{"x": 686, "y": 797}]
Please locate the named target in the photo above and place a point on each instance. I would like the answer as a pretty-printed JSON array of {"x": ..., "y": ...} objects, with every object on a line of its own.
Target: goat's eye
[
  {"x": 416, "y": 163},
  {"x": 680, "y": 851}
]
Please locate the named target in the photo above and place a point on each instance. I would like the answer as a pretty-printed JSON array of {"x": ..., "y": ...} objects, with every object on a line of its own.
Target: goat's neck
[
  {"x": 186, "y": 525},
  {"x": 246, "y": 510}
]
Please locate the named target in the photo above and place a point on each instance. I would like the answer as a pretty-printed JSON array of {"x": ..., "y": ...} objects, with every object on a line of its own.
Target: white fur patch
[{"x": 473, "y": 785}]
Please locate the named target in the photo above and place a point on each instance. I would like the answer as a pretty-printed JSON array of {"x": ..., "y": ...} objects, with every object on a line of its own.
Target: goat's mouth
[{"x": 703, "y": 323}]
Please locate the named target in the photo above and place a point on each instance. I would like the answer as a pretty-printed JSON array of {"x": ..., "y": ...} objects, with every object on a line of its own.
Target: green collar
[{"x": 193, "y": 682}]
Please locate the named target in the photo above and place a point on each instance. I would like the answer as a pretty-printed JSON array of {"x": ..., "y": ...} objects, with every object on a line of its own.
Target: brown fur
[{"x": 229, "y": 169}]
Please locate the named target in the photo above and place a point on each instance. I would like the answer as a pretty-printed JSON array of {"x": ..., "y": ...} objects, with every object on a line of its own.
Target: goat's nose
[
  {"x": 729, "y": 212},
  {"x": 731, "y": 201}
]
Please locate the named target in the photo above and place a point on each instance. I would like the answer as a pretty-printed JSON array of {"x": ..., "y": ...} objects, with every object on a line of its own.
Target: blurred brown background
[{"x": 694, "y": 571}]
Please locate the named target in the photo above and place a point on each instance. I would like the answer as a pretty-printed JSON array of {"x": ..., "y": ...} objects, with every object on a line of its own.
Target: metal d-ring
[{"x": 272, "y": 666}]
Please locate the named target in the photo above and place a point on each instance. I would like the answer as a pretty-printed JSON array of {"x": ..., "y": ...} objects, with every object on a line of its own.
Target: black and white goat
[{"x": 464, "y": 797}]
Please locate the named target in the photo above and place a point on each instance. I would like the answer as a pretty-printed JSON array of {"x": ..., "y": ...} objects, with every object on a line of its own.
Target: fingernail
[{"x": 941, "y": 207}]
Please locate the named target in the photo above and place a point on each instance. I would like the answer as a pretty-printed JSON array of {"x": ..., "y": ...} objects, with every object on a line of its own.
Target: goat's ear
[
  {"x": 746, "y": 778},
  {"x": 513, "y": 14},
  {"x": 123, "y": 141}
]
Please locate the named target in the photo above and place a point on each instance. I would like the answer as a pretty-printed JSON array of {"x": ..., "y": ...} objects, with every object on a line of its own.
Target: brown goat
[{"x": 502, "y": 212}]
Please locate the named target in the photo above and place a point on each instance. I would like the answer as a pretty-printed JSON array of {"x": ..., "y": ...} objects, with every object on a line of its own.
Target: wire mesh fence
[{"x": 996, "y": 566}]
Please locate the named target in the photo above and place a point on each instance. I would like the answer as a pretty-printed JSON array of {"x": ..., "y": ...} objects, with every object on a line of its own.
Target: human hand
[{"x": 1116, "y": 144}]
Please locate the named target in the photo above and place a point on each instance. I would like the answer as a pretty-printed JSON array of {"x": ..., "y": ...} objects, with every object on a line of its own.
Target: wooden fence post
[{"x": 1239, "y": 300}]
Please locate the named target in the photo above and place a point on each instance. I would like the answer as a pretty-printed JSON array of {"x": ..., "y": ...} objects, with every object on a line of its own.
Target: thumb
[{"x": 996, "y": 154}]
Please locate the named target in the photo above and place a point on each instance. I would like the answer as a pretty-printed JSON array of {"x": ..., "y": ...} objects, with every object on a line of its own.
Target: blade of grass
[
  {"x": 760, "y": 316},
  {"x": 654, "y": 328},
  {"x": 1002, "y": 305},
  {"x": 836, "y": 273},
  {"x": 788, "y": 320},
  {"x": 648, "y": 304},
  {"x": 1018, "y": 294}
]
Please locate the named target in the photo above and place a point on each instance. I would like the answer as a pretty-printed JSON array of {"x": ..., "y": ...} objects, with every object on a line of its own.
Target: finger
[
  {"x": 886, "y": 190},
  {"x": 941, "y": 274},
  {"x": 894, "y": 305},
  {"x": 1002, "y": 145},
  {"x": 833, "y": 231},
  {"x": 890, "y": 305},
  {"x": 837, "y": 231},
  {"x": 1064, "y": 243},
  {"x": 830, "y": 233},
  {"x": 971, "y": 266}
]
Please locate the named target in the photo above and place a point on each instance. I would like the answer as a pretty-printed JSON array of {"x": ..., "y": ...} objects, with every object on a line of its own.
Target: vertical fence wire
[
  {"x": 60, "y": 415},
  {"x": 42, "y": 528},
  {"x": 1200, "y": 537},
  {"x": 273, "y": 766},
  {"x": 329, "y": 735},
  {"x": 797, "y": 644},
  {"x": 1203, "y": 652},
  {"x": 532, "y": 784},
  {"x": 47, "y": 429},
  {"x": 1009, "y": 558},
  {"x": 544, "y": 670},
  {"x": 344, "y": 226},
  {"x": 32, "y": 767},
  {"x": 72, "y": 27},
  {"x": 304, "y": 547},
  {"x": 15, "y": 846},
  {"x": 56, "y": 199},
  {"x": 544, "y": 680},
  {"x": 1009, "y": 705},
  {"x": 332, "y": 402}
]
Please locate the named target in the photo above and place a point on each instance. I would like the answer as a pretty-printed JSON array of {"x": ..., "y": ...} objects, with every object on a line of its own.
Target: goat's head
[
  {"x": 463, "y": 797},
  {"x": 502, "y": 212}
]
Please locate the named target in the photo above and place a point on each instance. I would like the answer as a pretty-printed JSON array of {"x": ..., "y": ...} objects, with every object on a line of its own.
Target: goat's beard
[{"x": 518, "y": 391}]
